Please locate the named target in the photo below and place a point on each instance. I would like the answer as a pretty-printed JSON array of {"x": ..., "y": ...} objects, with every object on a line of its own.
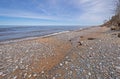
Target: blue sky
[{"x": 55, "y": 12}]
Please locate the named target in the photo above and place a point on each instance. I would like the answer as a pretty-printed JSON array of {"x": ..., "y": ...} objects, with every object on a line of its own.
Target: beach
[{"x": 91, "y": 53}]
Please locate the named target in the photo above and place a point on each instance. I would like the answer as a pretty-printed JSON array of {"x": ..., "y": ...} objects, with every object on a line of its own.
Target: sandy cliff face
[{"x": 114, "y": 23}]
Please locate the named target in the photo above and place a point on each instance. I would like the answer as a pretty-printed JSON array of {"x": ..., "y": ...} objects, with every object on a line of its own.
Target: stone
[
  {"x": 81, "y": 36},
  {"x": 42, "y": 72},
  {"x": 66, "y": 62},
  {"x": 117, "y": 67},
  {"x": 29, "y": 76},
  {"x": 53, "y": 78},
  {"x": 25, "y": 75},
  {"x": 15, "y": 77},
  {"x": 1, "y": 73},
  {"x": 89, "y": 73},
  {"x": 61, "y": 64},
  {"x": 91, "y": 48},
  {"x": 91, "y": 38},
  {"x": 112, "y": 27},
  {"x": 119, "y": 35},
  {"x": 79, "y": 43},
  {"x": 34, "y": 75}
]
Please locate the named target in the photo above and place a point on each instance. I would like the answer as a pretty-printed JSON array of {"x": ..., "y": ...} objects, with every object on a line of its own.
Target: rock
[
  {"x": 91, "y": 38},
  {"x": 118, "y": 57},
  {"x": 1, "y": 73},
  {"x": 61, "y": 64},
  {"x": 25, "y": 75},
  {"x": 119, "y": 35},
  {"x": 27, "y": 51},
  {"x": 117, "y": 67},
  {"x": 114, "y": 34},
  {"x": 70, "y": 72},
  {"x": 29, "y": 76},
  {"x": 42, "y": 72},
  {"x": 53, "y": 78},
  {"x": 15, "y": 77},
  {"x": 0, "y": 50},
  {"x": 91, "y": 48},
  {"x": 70, "y": 40},
  {"x": 66, "y": 62},
  {"x": 34, "y": 75},
  {"x": 81, "y": 36},
  {"x": 0, "y": 53},
  {"x": 66, "y": 68},
  {"x": 115, "y": 28},
  {"x": 66, "y": 57},
  {"x": 112, "y": 27},
  {"x": 79, "y": 43},
  {"x": 59, "y": 75},
  {"x": 89, "y": 73}
]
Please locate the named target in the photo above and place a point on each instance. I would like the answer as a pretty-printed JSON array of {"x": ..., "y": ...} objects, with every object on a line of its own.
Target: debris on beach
[
  {"x": 79, "y": 43},
  {"x": 91, "y": 38},
  {"x": 119, "y": 35}
]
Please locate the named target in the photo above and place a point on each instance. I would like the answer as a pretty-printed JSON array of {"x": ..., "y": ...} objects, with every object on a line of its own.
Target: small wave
[{"x": 30, "y": 38}]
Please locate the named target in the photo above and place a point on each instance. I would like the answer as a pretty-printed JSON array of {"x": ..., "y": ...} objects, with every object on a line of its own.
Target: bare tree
[{"x": 118, "y": 8}]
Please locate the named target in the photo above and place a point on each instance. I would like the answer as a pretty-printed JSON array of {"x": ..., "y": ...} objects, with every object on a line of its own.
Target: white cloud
[
  {"x": 90, "y": 11},
  {"x": 24, "y": 14},
  {"x": 95, "y": 11}
]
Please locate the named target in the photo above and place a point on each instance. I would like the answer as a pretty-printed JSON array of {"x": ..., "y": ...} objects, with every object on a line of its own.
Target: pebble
[
  {"x": 29, "y": 76},
  {"x": 61, "y": 64},
  {"x": 25, "y": 75},
  {"x": 21, "y": 62},
  {"x": 91, "y": 48},
  {"x": 100, "y": 40},
  {"x": 15, "y": 77},
  {"x": 118, "y": 57},
  {"x": 59, "y": 75},
  {"x": 1, "y": 73},
  {"x": 0, "y": 50},
  {"x": 26, "y": 67},
  {"x": 118, "y": 45},
  {"x": 89, "y": 73},
  {"x": 27, "y": 51},
  {"x": 117, "y": 67},
  {"x": 66, "y": 57},
  {"x": 66, "y": 68},
  {"x": 66, "y": 62},
  {"x": 70, "y": 72},
  {"x": 4, "y": 74},
  {"x": 53, "y": 78},
  {"x": 42, "y": 72},
  {"x": 16, "y": 67},
  {"x": 34, "y": 75}
]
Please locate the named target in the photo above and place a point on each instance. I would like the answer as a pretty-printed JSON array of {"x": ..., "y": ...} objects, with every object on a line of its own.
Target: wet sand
[{"x": 92, "y": 53}]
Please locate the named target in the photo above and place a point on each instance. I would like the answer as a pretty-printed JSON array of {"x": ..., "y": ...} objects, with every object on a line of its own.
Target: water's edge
[{"x": 42, "y": 36}]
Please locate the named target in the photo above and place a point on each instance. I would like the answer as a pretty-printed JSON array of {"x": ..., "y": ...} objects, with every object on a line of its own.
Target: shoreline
[
  {"x": 43, "y": 36},
  {"x": 28, "y": 32},
  {"x": 31, "y": 38}
]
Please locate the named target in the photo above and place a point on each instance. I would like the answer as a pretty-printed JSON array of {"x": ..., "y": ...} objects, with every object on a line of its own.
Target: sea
[{"x": 17, "y": 32}]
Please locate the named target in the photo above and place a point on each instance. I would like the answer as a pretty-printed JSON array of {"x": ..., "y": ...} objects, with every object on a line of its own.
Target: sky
[{"x": 55, "y": 12}]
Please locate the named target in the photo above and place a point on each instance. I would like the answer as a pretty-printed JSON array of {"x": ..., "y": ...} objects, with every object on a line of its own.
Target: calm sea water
[{"x": 16, "y": 32}]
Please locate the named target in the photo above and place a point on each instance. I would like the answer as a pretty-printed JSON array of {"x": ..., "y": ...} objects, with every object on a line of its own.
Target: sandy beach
[{"x": 92, "y": 53}]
